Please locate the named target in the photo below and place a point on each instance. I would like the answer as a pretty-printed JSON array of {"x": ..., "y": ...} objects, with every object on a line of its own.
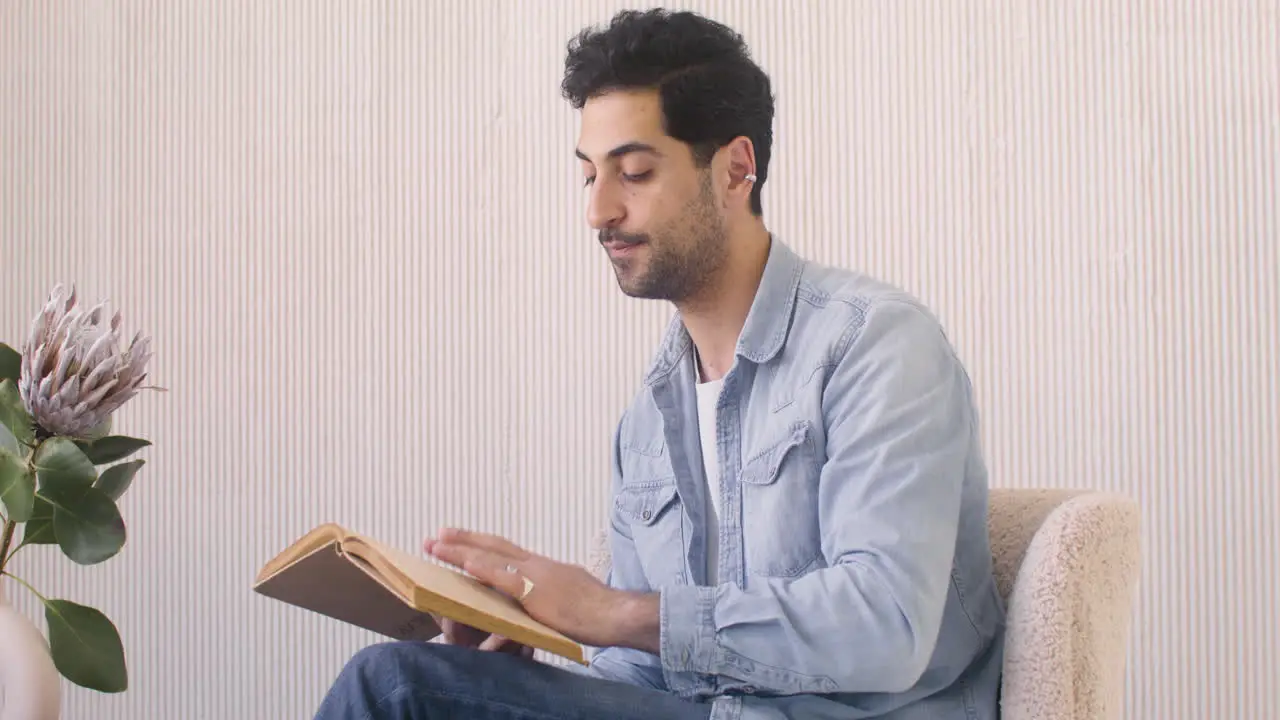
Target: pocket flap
[
  {"x": 644, "y": 503},
  {"x": 762, "y": 469}
]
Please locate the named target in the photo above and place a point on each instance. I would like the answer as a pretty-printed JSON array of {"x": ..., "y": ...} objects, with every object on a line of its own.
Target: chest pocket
[
  {"x": 781, "y": 536},
  {"x": 652, "y": 510}
]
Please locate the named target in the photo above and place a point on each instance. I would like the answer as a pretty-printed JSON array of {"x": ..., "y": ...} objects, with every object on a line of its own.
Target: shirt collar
[{"x": 765, "y": 332}]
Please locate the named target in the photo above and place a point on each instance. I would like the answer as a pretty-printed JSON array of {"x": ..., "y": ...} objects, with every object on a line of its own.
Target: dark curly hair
[{"x": 711, "y": 90}]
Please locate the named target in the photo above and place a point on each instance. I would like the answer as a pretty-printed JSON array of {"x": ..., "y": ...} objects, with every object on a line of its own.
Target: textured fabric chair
[{"x": 1067, "y": 564}]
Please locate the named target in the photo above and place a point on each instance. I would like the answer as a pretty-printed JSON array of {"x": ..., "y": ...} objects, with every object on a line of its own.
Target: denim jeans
[{"x": 431, "y": 681}]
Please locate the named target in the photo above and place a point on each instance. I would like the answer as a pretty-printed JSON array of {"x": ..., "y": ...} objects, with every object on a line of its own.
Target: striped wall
[{"x": 356, "y": 232}]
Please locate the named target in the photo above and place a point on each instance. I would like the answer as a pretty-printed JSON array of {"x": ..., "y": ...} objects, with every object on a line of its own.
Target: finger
[
  {"x": 492, "y": 569},
  {"x": 456, "y": 633},
  {"x": 483, "y": 541},
  {"x": 494, "y": 643},
  {"x": 464, "y": 555},
  {"x": 499, "y": 644}
]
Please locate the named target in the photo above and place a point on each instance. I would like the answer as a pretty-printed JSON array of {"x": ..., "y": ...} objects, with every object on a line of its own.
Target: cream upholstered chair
[{"x": 1066, "y": 562}]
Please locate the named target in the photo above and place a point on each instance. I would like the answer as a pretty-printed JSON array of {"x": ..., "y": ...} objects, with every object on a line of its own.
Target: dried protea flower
[{"x": 74, "y": 371}]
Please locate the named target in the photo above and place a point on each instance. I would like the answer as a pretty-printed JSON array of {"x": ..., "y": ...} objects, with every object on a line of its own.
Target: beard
[{"x": 681, "y": 259}]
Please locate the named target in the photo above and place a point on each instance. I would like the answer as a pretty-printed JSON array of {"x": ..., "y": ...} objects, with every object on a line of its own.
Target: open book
[{"x": 357, "y": 580}]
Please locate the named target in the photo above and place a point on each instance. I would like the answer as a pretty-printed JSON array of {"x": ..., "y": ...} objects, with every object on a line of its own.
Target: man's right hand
[{"x": 456, "y": 633}]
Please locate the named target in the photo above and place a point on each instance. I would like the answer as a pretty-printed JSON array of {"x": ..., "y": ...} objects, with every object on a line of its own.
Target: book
[{"x": 355, "y": 579}]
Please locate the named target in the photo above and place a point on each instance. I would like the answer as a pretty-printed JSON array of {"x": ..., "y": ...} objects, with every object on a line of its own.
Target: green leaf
[
  {"x": 87, "y": 524},
  {"x": 13, "y": 415},
  {"x": 39, "y": 529},
  {"x": 113, "y": 447},
  {"x": 117, "y": 478},
  {"x": 10, "y": 363},
  {"x": 9, "y": 442},
  {"x": 86, "y": 646},
  {"x": 17, "y": 486},
  {"x": 62, "y": 466}
]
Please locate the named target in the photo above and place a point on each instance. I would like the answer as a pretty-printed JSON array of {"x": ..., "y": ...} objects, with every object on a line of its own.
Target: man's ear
[{"x": 741, "y": 161}]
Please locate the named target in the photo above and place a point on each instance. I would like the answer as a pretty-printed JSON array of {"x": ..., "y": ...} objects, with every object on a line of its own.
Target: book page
[{"x": 315, "y": 539}]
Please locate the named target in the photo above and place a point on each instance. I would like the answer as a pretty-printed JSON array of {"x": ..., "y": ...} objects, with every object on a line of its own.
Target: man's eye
[{"x": 628, "y": 177}]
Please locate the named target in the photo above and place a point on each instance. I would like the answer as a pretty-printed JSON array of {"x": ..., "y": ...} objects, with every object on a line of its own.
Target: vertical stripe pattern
[{"x": 356, "y": 232}]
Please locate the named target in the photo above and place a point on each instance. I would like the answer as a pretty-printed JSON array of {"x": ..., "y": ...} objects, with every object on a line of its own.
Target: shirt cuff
[{"x": 687, "y": 624}]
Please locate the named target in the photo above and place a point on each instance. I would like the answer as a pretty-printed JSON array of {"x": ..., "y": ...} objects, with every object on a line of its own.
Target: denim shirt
[{"x": 854, "y": 564}]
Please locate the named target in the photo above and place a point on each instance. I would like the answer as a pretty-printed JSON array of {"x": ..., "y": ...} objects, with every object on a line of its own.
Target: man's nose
[{"x": 604, "y": 208}]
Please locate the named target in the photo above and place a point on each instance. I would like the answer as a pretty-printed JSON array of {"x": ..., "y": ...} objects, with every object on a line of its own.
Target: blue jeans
[{"x": 420, "y": 681}]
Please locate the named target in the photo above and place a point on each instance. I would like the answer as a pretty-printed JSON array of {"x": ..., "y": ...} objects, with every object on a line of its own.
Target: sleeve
[
  {"x": 625, "y": 573},
  {"x": 899, "y": 426}
]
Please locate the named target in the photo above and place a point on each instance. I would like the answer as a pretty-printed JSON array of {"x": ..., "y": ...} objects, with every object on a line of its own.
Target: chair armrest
[{"x": 1070, "y": 612}]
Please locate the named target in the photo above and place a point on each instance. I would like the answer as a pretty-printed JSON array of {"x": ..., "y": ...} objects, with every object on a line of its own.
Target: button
[{"x": 646, "y": 514}]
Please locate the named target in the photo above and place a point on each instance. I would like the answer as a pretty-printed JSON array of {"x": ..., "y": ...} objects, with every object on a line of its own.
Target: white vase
[{"x": 29, "y": 682}]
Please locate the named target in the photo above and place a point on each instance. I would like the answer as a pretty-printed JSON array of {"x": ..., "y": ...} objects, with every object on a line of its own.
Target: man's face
[{"x": 655, "y": 210}]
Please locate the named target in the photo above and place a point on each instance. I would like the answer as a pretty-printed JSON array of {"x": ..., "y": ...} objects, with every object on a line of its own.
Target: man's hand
[
  {"x": 455, "y": 633},
  {"x": 564, "y": 597}
]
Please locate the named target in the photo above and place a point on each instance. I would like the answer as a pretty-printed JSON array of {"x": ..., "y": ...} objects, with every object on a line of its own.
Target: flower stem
[
  {"x": 5, "y": 541},
  {"x": 24, "y": 584},
  {"x": 10, "y": 525}
]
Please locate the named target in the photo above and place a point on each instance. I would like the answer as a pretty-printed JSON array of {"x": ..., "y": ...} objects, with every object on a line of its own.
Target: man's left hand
[{"x": 564, "y": 597}]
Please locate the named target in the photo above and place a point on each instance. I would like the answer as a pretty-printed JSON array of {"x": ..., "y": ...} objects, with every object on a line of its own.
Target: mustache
[{"x": 618, "y": 235}]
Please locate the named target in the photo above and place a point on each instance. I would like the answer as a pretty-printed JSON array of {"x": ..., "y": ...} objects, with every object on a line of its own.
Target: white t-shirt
[{"x": 708, "y": 395}]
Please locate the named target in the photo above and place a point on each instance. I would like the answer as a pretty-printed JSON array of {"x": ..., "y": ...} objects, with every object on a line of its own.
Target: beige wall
[{"x": 356, "y": 231}]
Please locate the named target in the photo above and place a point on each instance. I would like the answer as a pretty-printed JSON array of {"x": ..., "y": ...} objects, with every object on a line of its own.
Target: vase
[{"x": 29, "y": 682}]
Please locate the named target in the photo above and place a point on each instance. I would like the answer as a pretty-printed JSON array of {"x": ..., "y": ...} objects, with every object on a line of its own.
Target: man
[{"x": 799, "y": 497}]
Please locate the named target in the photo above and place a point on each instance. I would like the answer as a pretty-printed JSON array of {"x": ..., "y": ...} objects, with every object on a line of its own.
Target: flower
[
  {"x": 74, "y": 372},
  {"x": 63, "y": 471}
]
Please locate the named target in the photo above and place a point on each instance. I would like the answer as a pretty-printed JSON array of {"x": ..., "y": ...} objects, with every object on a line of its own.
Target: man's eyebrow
[{"x": 623, "y": 149}]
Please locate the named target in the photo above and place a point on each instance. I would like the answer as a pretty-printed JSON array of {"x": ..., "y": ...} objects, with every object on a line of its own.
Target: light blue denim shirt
[{"x": 855, "y": 571}]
